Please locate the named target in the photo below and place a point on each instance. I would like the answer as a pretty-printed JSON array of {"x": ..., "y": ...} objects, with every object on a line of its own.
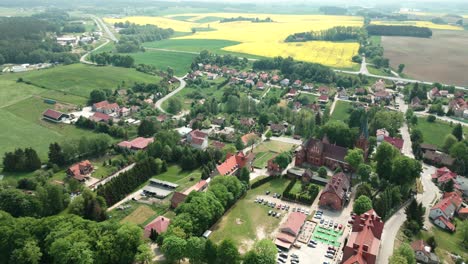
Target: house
[
  {"x": 381, "y": 133},
  {"x": 379, "y": 86},
  {"x": 80, "y": 171},
  {"x": 437, "y": 158},
  {"x": 273, "y": 168},
  {"x": 248, "y": 122},
  {"x": 249, "y": 139},
  {"x": 289, "y": 230},
  {"x": 423, "y": 252},
  {"x": 434, "y": 93},
  {"x": 297, "y": 106},
  {"x": 275, "y": 78},
  {"x": 416, "y": 103},
  {"x": 308, "y": 86},
  {"x": 323, "y": 90},
  {"x": 458, "y": 106},
  {"x": 179, "y": 197},
  {"x": 105, "y": 107},
  {"x": 428, "y": 147},
  {"x": 292, "y": 93},
  {"x": 323, "y": 99},
  {"x": 218, "y": 121},
  {"x": 314, "y": 107},
  {"x": 217, "y": 145},
  {"x": 160, "y": 225},
  {"x": 212, "y": 76},
  {"x": 382, "y": 95},
  {"x": 443, "y": 212},
  {"x": 249, "y": 83},
  {"x": 363, "y": 243},
  {"x": 198, "y": 139},
  {"x": 284, "y": 82},
  {"x": 360, "y": 91},
  {"x": 264, "y": 76},
  {"x": 260, "y": 85},
  {"x": 321, "y": 153},
  {"x": 124, "y": 111},
  {"x": 54, "y": 116},
  {"x": 234, "y": 163},
  {"x": 443, "y": 175},
  {"x": 463, "y": 213},
  {"x": 297, "y": 83},
  {"x": 139, "y": 143},
  {"x": 277, "y": 129},
  {"x": 100, "y": 117},
  {"x": 396, "y": 142},
  {"x": 461, "y": 184},
  {"x": 162, "y": 118},
  {"x": 343, "y": 94},
  {"x": 336, "y": 192}
]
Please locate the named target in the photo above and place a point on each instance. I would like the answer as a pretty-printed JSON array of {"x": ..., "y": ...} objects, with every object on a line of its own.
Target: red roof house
[
  {"x": 463, "y": 213},
  {"x": 290, "y": 229},
  {"x": 323, "y": 99},
  {"x": 106, "y": 107},
  {"x": 54, "y": 116},
  {"x": 364, "y": 242},
  {"x": 335, "y": 194},
  {"x": 260, "y": 85},
  {"x": 323, "y": 90},
  {"x": 80, "y": 171},
  {"x": 198, "y": 139},
  {"x": 443, "y": 175},
  {"x": 442, "y": 212},
  {"x": 100, "y": 117},
  {"x": 249, "y": 139},
  {"x": 138, "y": 143},
  {"x": 179, "y": 197},
  {"x": 234, "y": 162},
  {"x": 396, "y": 142},
  {"x": 160, "y": 225}
]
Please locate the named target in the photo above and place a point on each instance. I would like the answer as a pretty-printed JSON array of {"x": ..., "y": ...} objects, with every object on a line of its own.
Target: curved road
[
  {"x": 169, "y": 95},
  {"x": 110, "y": 36}
]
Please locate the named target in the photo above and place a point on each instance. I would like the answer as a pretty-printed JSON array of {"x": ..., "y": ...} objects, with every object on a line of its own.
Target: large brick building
[
  {"x": 363, "y": 243},
  {"x": 336, "y": 192}
]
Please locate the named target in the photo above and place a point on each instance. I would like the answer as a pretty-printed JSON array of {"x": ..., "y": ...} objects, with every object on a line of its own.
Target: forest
[
  {"x": 405, "y": 31},
  {"x": 332, "y": 34},
  {"x": 133, "y": 35}
]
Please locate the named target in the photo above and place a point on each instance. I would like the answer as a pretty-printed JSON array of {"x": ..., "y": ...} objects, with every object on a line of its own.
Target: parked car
[
  {"x": 270, "y": 212},
  {"x": 281, "y": 260},
  {"x": 283, "y": 255},
  {"x": 267, "y": 192},
  {"x": 313, "y": 242},
  {"x": 311, "y": 245},
  {"x": 340, "y": 226},
  {"x": 278, "y": 215},
  {"x": 294, "y": 255},
  {"x": 294, "y": 209},
  {"x": 322, "y": 220},
  {"x": 329, "y": 256}
]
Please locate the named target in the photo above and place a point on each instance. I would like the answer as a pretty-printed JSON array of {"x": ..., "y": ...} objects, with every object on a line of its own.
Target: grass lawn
[
  {"x": 176, "y": 175},
  {"x": 209, "y": 92},
  {"x": 341, "y": 110},
  {"x": 194, "y": 45},
  {"x": 80, "y": 79},
  {"x": 273, "y": 146},
  {"x": 139, "y": 216},
  {"x": 261, "y": 159},
  {"x": 247, "y": 222},
  {"x": 180, "y": 62},
  {"x": 12, "y": 91},
  {"x": 434, "y": 133}
]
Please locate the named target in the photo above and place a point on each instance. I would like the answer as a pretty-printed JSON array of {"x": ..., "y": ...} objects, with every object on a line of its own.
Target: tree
[
  {"x": 405, "y": 170},
  {"x": 29, "y": 253},
  {"x": 362, "y": 205},
  {"x": 196, "y": 250},
  {"x": 407, "y": 252},
  {"x": 32, "y": 161},
  {"x": 364, "y": 189},
  {"x": 355, "y": 157},
  {"x": 449, "y": 141},
  {"x": 97, "y": 96},
  {"x": 144, "y": 254},
  {"x": 431, "y": 118},
  {"x": 170, "y": 71},
  {"x": 458, "y": 132},
  {"x": 174, "y": 248},
  {"x": 283, "y": 160},
  {"x": 268, "y": 134},
  {"x": 322, "y": 172},
  {"x": 89, "y": 206},
  {"x": 174, "y": 105},
  {"x": 56, "y": 155},
  {"x": 263, "y": 252},
  {"x": 244, "y": 175},
  {"x": 211, "y": 252},
  {"x": 448, "y": 186},
  {"x": 227, "y": 253},
  {"x": 384, "y": 158},
  {"x": 463, "y": 229},
  {"x": 338, "y": 133},
  {"x": 239, "y": 144},
  {"x": 364, "y": 171},
  {"x": 146, "y": 128},
  {"x": 401, "y": 67},
  {"x": 397, "y": 259}
]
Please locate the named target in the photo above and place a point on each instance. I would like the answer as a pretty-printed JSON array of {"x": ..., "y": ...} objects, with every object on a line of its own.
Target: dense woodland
[
  {"x": 106, "y": 58},
  {"x": 133, "y": 35},
  {"x": 407, "y": 31},
  {"x": 332, "y": 34},
  {"x": 32, "y": 39}
]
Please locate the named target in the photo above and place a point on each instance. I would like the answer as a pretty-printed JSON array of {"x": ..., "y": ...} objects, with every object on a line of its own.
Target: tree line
[
  {"x": 133, "y": 35},
  {"x": 107, "y": 58},
  {"x": 69, "y": 239},
  {"x": 21, "y": 160},
  {"x": 206, "y": 57},
  {"x": 340, "y": 33},
  {"x": 395, "y": 30},
  {"x": 241, "y": 18}
]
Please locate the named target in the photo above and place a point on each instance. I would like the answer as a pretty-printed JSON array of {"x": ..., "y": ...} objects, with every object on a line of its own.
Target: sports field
[
  {"x": 417, "y": 24},
  {"x": 264, "y": 39}
]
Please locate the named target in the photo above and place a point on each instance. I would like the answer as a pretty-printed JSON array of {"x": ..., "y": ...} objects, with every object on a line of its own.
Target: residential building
[
  {"x": 249, "y": 139},
  {"x": 396, "y": 142},
  {"x": 379, "y": 86},
  {"x": 434, "y": 93},
  {"x": 54, "y": 116},
  {"x": 217, "y": 145},
  {"x": 336, "y": 193},
  {"x": 297, "y": 83},
  {"x": 308, "y": 86},
  {"x": 277, "y": 129},
  {"x": 247, "y": 122},
  {"x": 343, "y": 94},
  {"x": 458, "y": 106},
  {"x": 284, "y": 82},
  {"x": 198, "y": 139},
  {"x": 179, "y": 197},
  {"x": 443, "y": 212},
  {"x": 323, "y": 99},
  {"x": 124, "y": 112},
  {"x": 381, "y": 134},
  {"x": 292, "y": 93},
  {"x": 160, "y": 225},
  {"x": 416, "y": 103},
  {"x": 290, "y": 229},
  {"x": 324, "y": 90},
  {"x": 106, "y": 108},
  {"x": 363, "y": 243},
  {"x": 139, "y": 143},
  {"x": 81, "y": 170},
  {"x": 260, "y": 85},
  {"x": 100, "y": 117},
  {"x": 443, "y": 175},
  {"x": 382, "y": 95},
  {"x": 463, "y": 213},
  {"x": 437, "y": 158},
  {"x": 234, "y": 163},
  {"x": 423, "y": 252}
]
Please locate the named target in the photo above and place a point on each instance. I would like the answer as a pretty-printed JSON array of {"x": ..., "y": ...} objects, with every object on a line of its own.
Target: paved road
[
  {"x": 287, "y": 140},
  {"x": 110, "y": 36},
  {"x": 83, "y": 58},
  {"x": 103, "y": 25},
  {"x": 169, "y": 95}
]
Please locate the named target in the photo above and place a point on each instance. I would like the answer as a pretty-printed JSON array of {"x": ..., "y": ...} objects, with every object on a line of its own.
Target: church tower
[{"x": 363, "y": 140}]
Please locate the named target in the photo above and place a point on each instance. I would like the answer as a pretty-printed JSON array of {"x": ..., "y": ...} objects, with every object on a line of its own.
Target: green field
[
  {"x": 180, "y": 62},
  {"x": 434, "y": 133},
  {"x": 341, "y": 111},
  {"x": 262, "y": 158},
  {"x": 194, "y": 45},
  {"x": 274, "y": 146},
  {"x": 140, "y": 215},
  {"x": 176, "y": 175},
  {"x": 80, "y": 79},
  {"x": 247, "y": 221}
]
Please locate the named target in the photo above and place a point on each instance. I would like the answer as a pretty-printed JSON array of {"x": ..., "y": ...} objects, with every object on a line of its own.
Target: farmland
[
  {"x": 441, "y": 58},
  {"x": 180, "y": 62},
  {"x": 417, "y": 24},
  {"x": 265, "y": 39}
]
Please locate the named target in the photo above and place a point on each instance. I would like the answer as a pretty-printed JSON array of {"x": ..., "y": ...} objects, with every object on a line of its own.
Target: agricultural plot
[
  {"x": 417, "y": 24},
  {"x": 441, "y": 58},
  {"x": 247, "y": 222},
  {"x": 139, "y": 216},
  {"x": 178, "y": 61},
  {"x": 267, "y": 39}
]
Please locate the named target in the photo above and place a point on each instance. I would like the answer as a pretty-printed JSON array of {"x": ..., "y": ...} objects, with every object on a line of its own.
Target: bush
[
  {"x": 262, "y": 181},
  {"x": 431, "y": 118}
]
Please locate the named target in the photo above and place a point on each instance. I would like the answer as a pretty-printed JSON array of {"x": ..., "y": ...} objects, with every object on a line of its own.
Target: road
[
  {"x": 169, "y": 95},
  {"x": 110, "y": 36},
  {"x": 104, "y": 27},
  {"x": 106, "y": 180},
  {"x": 83, "y": 58}
]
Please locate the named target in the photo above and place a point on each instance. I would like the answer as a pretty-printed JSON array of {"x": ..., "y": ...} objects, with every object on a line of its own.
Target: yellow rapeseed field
[
  {"x": 267, "y": 39},
  {"x": 418, "y": 24}
]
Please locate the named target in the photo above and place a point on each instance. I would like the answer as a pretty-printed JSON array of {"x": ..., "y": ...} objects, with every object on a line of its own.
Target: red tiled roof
[
  {"x": 381, "y": 94},
  {"x": 218, "y": 145},
  {"x": 442, "y": 205},
  {"x": 323, "y": 97},
  {"x": 260, "y": 84},
  {"x": 337, "y": 185},
  {"x": 294, "y": 223},
  {"x": 292, "y": 92},
  {"x": 463, "y": 211},
  {"x": 137, "y": 143},
  {"x": 52, "y": 114},
  {"x": 323, "y": 89},
  {"x": 160, "y": 225},
  {"x": 250, "y": 136},
  {"x": 198, "y": 133},
  {"x": 98, "y": 116},
  {"x": 447, "y": 223},
  {"x": 455, "y": 198},
  {"x": 418, "y": 245},
  {"x": 196, "y": 187},
  {"x": 177, "y": 198},
  {"x": 234, "y": 162},
  {"x": 396, "y": 142},
  {"x": 75, "y": 169}
]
